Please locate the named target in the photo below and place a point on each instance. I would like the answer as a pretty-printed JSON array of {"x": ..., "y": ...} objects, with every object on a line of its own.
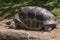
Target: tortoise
[{"x": 34, "y": 18}]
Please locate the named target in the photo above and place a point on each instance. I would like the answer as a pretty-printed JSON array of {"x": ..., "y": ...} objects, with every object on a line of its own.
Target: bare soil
[{"x": 52, "y": 35}]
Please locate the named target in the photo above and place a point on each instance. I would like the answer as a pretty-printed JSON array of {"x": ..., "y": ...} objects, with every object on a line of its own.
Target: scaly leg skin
[{"x": 48, "y": 28}]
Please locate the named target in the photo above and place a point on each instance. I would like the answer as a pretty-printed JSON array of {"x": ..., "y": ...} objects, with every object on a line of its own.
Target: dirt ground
[{"x": 54, "y": 34}]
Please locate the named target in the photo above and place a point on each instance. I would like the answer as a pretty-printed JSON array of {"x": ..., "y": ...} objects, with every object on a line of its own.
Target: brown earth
[{"x": 52, "y": 35}]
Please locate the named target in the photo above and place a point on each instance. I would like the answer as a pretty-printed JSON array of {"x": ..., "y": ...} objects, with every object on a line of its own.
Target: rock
[{"x": 11, "y": 34}]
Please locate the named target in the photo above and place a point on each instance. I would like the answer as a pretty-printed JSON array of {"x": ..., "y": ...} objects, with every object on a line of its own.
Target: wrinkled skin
[{"x": 47, "y": 21}]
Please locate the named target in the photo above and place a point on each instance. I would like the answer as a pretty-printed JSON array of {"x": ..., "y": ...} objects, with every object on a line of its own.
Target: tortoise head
[{"x": 8, "y": 22}]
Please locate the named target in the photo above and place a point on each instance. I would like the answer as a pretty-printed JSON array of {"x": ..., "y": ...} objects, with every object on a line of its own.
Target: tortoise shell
[{"x": 33, "y": 18}]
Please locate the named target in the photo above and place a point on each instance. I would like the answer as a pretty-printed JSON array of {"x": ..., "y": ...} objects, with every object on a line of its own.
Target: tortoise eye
[{"x": 31, "y": 15}]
